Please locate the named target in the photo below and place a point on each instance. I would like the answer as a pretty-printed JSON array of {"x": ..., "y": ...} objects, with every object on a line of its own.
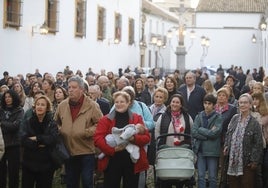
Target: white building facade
[
  {"x": 229, "y": 31},
  {"x": 22, "y": 51}
]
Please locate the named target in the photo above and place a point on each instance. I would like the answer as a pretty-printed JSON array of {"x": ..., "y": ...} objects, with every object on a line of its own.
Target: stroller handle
[{"x": 173, "y": 134}]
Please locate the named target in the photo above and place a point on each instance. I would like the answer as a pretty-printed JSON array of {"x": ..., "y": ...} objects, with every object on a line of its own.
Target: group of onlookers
[{"x": 227, "y": 120}]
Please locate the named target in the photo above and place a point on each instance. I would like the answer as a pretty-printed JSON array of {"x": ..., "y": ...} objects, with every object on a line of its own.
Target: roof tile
[{"x": 247, "y": 6}]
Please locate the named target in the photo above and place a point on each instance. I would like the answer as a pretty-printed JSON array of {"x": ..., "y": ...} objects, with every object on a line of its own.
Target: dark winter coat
[
  {"x": 10, "y": 120},
  {"x": 36, "y": 155}
]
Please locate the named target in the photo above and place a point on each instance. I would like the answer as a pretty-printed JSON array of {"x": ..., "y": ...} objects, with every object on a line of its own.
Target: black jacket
[
  {"x": 10, "y": 120},
  {"x": 146, "y": 97},
  {"x": 165, "y": 121},
  {"x": 36, "y": 155}
]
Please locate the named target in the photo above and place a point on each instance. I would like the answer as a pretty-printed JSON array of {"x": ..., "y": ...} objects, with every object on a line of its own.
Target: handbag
[{"x": 59, "y": 153}]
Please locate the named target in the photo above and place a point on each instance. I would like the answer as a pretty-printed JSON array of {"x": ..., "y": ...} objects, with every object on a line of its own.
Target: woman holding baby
[{"x": 117, "y": 163}]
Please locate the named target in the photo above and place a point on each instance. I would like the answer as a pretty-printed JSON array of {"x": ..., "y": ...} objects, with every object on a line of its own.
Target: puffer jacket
[{"x": 11, "y": 120}]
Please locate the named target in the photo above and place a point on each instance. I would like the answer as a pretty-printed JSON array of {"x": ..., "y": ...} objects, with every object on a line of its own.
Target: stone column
[{"x": 180, "y": 53}]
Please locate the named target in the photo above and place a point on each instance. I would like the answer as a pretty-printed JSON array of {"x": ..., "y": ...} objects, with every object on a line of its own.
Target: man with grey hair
[
  {"x": 193, "y": 94},
  {"x": 106, "y": 91},
  {"x": 95, "y": 94},
  {"x": 122, "y": 82},
  {"x": 77, "y": 118},
  {"x": 90, "y": 79}
]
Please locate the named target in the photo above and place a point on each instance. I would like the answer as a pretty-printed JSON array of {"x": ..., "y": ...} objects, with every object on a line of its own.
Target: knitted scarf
[{"x": 178, "y": 126}]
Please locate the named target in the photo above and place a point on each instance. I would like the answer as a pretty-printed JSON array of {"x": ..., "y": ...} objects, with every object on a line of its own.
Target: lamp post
[
  {"x": 263, "y": 24},
  {"x": 263, "y": 28},
  {"x": 159, "y": 42},
  {"x": 263, "y": 45},
  {"x": 43, "y": 29}
]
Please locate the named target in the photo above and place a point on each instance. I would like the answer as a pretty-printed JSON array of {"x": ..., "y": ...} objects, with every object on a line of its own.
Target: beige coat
[
  {"x": 78, "y": 134},
  {"x": 2, "y": 145}
]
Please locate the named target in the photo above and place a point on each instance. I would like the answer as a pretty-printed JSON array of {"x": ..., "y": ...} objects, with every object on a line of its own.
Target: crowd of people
[{"x": 226, "y": 119}]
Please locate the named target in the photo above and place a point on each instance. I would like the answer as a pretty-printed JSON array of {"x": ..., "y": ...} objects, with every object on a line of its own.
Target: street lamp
[
  {"x": 160, "y": 42},
  {"x": 263, "y": 24},
  {"x": 43, "y": 29},
  {"x": 254, "y": 39}
]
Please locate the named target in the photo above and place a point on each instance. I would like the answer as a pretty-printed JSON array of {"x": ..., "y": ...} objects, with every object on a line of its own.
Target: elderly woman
[
  {"x": 39, "y": 134},
  {"x": 158, "y": 107},
  {"x": 117, "y": 163},
  {"x": 243, "y": 145},
  {"x": 227, "y": 111}
]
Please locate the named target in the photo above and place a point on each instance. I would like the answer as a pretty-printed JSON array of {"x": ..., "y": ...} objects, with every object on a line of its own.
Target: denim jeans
[
  {"x": 210, "y": 164},
  {"x": 82, "y": 165}
]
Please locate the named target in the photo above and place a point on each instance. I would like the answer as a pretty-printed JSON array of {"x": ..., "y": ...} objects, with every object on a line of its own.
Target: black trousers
[
  {"x": 31, "y": 179},
  {"x": 120, "y": 167},
  {"x": 9, "y": 167}
]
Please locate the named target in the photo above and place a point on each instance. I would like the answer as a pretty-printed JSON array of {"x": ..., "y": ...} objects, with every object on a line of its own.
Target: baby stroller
[{"x": 174, "y": 165}]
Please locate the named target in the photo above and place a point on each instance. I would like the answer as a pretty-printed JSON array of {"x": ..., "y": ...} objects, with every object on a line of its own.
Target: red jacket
[{"x": 104, "y": 127}]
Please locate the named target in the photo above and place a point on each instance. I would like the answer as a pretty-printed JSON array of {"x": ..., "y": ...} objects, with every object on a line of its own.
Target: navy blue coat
[
  {"x": 104, "y": 106},
  {"x": 195, "y": 102}
]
